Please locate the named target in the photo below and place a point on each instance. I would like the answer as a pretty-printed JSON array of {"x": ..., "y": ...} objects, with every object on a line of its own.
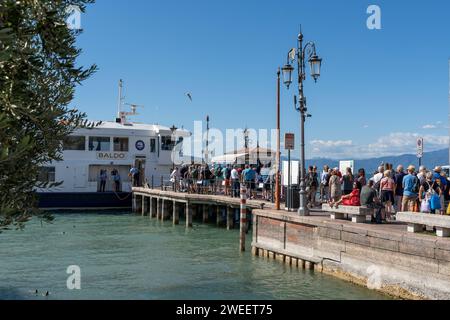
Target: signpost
[
  {"x": 289, "y": 144},
  {"x": 420, "y": 150},
  {"x": 289, "y": 141}
]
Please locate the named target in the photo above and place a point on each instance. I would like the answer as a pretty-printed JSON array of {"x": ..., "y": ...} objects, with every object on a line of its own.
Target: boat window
[
  {"x": 167, "y": 143},
  {"x": 99, "y": 143},
  {"x": 152, "y": 145},
  {"x": 46, "y": 174},
  {"x": 121, "y": 144},
  {"x": 77, "y": 143}
]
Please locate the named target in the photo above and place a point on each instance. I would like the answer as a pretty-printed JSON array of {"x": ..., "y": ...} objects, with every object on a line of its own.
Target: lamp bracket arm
[{"x": 309, "y": 49}]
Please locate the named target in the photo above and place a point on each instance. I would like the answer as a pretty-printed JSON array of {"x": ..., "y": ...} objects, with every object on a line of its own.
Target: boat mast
[{"x": 119, "y": 105}]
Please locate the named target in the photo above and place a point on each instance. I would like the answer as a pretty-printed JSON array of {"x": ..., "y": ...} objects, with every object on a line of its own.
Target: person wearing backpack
[
  {"x": 429, "y": 194},
  {"x": 226, "y": 173},
  {"x": 410, "y": 190},
  {"x": 387, "y": 187}
]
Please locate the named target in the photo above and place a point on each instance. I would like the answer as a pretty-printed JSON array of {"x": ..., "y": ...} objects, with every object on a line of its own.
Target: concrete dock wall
[{"x": 381, "y": 257}]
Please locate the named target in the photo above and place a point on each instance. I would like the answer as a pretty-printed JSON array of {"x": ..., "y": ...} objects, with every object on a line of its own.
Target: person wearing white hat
[{"x": 422, "y": 173}]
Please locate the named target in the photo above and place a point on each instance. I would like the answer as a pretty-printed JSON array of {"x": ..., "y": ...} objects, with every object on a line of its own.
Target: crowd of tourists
[
  {"x": 223, "y": 179},
  {"x": 389, "y": 190}
]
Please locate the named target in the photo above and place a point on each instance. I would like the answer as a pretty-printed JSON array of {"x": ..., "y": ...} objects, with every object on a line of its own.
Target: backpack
[
  {"x": 416, "y": 187},
  {"x": 377, "y": 186}
]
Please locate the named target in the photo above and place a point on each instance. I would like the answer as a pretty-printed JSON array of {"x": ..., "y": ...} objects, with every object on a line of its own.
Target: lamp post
[
  {"x": 207, "y": 141},
  {"x": 173, "y": 129},
  {"x": 301, "y": 54},
  {"x": 277, "y": 160}
]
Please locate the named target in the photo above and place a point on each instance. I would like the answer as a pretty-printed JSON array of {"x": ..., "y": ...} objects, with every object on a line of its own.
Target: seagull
[{"x": 189, "y": 95}]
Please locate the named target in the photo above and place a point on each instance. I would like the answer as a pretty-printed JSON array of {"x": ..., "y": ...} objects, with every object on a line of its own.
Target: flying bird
[{"x": 189, "y": 95}]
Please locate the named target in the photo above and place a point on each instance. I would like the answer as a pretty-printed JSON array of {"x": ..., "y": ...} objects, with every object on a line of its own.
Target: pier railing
[{"x": 261, "y": 191}]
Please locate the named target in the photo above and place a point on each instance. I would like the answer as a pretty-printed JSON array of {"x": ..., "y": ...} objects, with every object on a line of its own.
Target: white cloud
[
  {"x": 332, "y": 143},
  {"x": 429, "y": 126},
  {"x": 396, "y": 143}
]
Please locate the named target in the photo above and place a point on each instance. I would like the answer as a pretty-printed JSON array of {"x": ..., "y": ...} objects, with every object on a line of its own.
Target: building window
[
  {"x": 152, "y": 145},
  {"x": 46, "y": 174},
  {"x": 77, "y": 143},
  {"x": 99, "y": 144},
  {"x": 121, "y": 144},
  {"x": 167, "y": 143}
]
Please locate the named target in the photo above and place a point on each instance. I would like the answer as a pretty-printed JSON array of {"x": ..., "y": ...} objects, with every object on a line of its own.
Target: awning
[{"x": 227, "y": 158}]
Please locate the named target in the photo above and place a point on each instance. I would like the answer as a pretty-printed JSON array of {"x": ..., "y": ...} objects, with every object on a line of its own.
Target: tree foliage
[{"x": 38, "y": 77}]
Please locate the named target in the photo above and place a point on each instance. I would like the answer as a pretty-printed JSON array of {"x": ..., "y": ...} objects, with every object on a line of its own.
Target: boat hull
[{"x": 80, "y": 200}]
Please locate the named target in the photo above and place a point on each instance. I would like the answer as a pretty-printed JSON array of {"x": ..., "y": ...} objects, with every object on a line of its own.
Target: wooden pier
[{"x": 169, "y": 205}]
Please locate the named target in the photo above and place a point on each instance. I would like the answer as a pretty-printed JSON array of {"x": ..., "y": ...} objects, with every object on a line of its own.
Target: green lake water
[{"x": 122, "y": 256}]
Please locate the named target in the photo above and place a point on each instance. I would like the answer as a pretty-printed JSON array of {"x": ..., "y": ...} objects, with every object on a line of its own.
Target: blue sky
[{"x": 379, "y": 89}]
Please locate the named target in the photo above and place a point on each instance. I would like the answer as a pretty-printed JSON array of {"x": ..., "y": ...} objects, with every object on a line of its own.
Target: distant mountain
[{"x": 430, "y": 160}]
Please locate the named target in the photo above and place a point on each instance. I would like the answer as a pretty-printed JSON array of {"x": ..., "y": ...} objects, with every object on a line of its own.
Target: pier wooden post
[
  {"x": 205, "y": 213},
  {"x": 163, "y": 209},
  {"x": 243, "y": 219},
  {"x": 188, "y": 215},
  {"x": 151, "y": 207},
  {"x": 154, "y": 207},
  {"x": 139, "y": 203},
  {"x": 158, "y": 208},
  {"x": 166, "y": 212},
  {"x": 175, "y": 214},
  {"x": 218, "y": 216},
  {"x": 230, "y": 218},
  {"x": 144, "y": 206},
  {"x": 133, "y": 203}
]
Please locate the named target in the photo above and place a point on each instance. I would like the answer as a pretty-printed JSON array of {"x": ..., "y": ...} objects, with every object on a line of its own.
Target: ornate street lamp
[
  {"x": 315, "y": 63},
  {"x": 301, "y": 54},
  {"x": 173, "y": 129},
  {"x": 287, "y": 74}
]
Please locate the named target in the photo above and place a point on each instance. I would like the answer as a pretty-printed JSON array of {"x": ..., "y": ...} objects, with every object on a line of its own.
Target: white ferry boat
[{"x": 108, "y": 152}]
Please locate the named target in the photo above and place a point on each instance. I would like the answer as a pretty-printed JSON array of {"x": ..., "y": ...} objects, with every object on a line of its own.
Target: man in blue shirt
[
  {"x": 134, "y": 173},
  {"x": 249, "y": 175},
  {"x": 410, "y": 190}
]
